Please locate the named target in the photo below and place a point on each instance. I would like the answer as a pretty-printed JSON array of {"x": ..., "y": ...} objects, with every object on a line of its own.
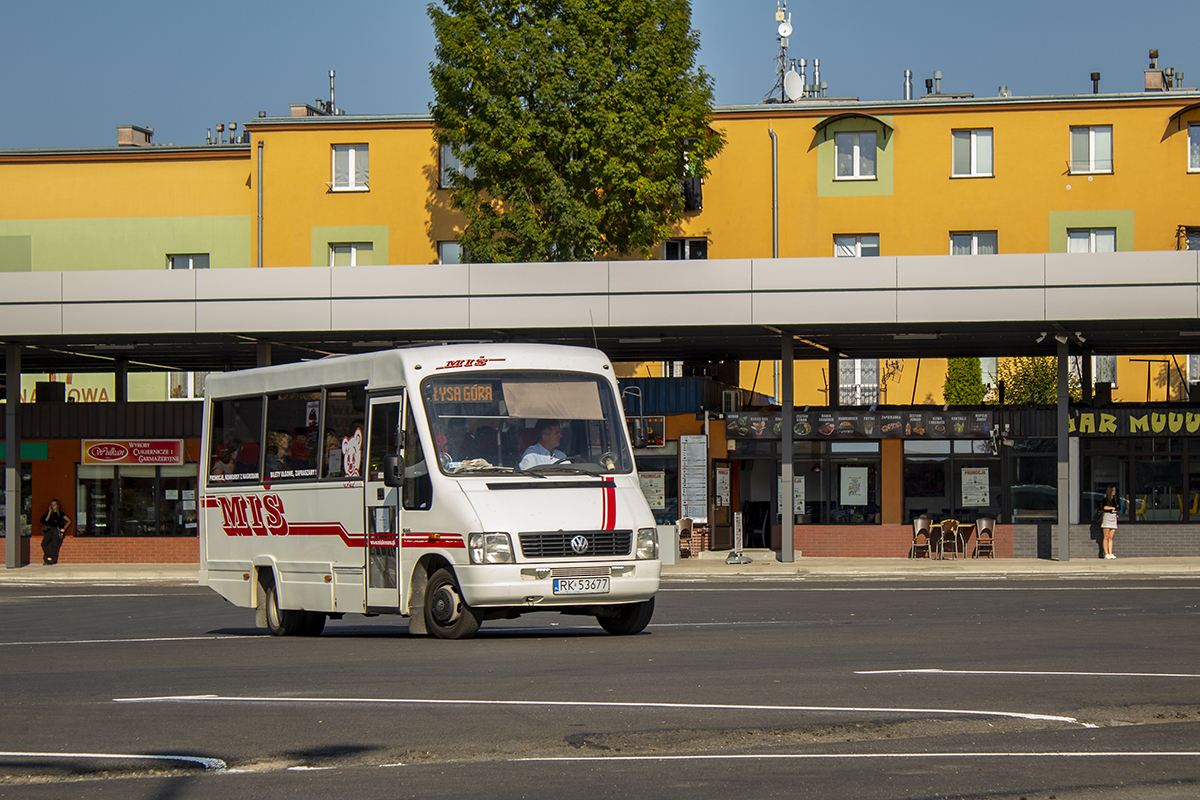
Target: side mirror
[
  {"x": 393, "y": 473},
  {"x": 640, "y": 438}
]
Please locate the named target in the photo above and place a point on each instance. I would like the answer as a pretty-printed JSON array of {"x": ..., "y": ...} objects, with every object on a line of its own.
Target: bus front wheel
[
  {"x": 447, "y": 615},
  {"x": 628, "y": 619}
]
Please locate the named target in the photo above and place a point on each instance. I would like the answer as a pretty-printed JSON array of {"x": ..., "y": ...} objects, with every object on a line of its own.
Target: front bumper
[{"x": 500, "y": 585}]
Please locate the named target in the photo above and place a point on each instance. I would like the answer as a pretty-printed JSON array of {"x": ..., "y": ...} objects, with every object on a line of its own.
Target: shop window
[
  {"x": 293, "y": 425},
  {"x": 345, "y": 407},
  {"x": 1033, "y": 496},
  {"x": 136, "y": 500},
  {"x": 854, "y": 483},
  {"x": 94, "y": 500},
  {"x": 26, "y": 522},
  {"x": 351, "y": 168},
  {"x": 236, "y": 440}
]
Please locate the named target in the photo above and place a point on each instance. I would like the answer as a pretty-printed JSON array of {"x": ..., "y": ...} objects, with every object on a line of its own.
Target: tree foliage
[
  {"x": 1034, "y": 379},
  {"x": 964, "y": 382},
  {"x": 574, "y": 120}
]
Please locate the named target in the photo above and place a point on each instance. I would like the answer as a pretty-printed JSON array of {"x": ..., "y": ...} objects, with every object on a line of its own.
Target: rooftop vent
[{"x": 134, "y": 136}]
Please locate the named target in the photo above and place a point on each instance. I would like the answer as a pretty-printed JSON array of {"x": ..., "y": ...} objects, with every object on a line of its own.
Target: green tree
[
  {"x": 964, "y": 382},
  {"x": 574, "y": 120},
  {"x": 1034, "y": 379}
]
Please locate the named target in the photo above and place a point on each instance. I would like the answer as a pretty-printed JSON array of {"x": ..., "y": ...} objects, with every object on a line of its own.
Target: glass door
[{"x": 382, "y": 503}]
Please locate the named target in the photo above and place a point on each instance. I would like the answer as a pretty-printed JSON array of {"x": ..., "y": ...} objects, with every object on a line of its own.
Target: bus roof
[{"x": 396, "y": 368}]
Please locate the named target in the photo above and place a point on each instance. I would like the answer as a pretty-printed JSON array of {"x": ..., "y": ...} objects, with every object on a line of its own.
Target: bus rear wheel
[
  {"x": 289, "y": 622},
  {"x": 628, "y": 619},
  {"x": 447, "y": 615}
]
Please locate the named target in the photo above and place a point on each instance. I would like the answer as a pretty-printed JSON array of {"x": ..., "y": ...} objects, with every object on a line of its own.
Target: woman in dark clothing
[{"x": 54, "y": 527}]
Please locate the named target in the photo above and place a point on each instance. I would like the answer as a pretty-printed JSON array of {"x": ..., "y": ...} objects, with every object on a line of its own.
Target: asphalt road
[{"x": 990, "y": 689}]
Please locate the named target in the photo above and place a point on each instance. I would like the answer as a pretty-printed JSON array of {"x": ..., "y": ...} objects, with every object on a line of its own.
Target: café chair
[
  {"x": 922, "y": 537},
  {"x": 949, "y": 534},
  {"x": 1195, "y": 509},
  {"x": 985, "y": 537}
]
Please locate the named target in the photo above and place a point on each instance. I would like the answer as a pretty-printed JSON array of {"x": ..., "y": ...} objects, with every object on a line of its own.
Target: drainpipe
[
  {"x": 774, "y": 192},
  {"x": 260, "y": 203}
]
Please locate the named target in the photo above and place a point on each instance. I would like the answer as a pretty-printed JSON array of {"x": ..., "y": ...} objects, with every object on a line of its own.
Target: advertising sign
[
  {"x": 840, "y": 425},
  {"x": 975, "y": 486},
  {"x": 132, "y": 451},
  {"x": 654, "y": 488},
  {"x": 693, "y": 476}
]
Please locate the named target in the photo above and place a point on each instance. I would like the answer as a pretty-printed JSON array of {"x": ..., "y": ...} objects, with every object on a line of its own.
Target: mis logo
[{"x": 251, "y": 515}]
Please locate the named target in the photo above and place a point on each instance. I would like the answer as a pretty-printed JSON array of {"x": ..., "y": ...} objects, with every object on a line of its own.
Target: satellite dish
[
  {"x": 785, "y": 29},
  {"x": 793, "y": 85}
]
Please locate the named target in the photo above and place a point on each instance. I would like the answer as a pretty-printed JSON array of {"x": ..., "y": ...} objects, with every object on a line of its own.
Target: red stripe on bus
[{"x": 610, "y": 508}]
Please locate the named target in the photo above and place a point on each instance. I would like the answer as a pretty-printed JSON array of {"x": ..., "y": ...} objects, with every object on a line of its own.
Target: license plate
[{"x": 581, "y": 585}]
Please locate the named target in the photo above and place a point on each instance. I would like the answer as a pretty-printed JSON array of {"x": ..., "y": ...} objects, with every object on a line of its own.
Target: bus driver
[{"x": 543, "y": 450}]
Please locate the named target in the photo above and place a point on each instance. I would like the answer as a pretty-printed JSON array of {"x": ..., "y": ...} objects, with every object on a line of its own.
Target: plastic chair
[
  {"x": 922, "y": 535},
  {"x": 949, "y": 534},
  {"x": 985, "y": 537},
  {"x": 1140, "y": 512},
  {"x": 1195, "y": 509}
]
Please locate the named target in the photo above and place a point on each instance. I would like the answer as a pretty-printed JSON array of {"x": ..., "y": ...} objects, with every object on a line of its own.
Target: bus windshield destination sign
[{"x": 466, "y": 393}]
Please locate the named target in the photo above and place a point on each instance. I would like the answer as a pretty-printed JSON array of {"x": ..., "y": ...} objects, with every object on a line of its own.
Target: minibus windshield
[{"x": 525, "y": 421}]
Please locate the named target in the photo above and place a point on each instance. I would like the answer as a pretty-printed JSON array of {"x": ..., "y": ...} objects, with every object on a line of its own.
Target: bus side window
[{"x": 417, "y": 492}]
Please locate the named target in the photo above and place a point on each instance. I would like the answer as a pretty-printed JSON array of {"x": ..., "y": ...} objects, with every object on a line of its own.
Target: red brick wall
[
  {"x": 117, "y": 550},
  {"x": 872, "y": 541}
]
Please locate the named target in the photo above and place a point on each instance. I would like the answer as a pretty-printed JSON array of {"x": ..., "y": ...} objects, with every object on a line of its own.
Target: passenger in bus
[
  {"x": 487, "y": 443},
  {"x": 227, "y": 456},
  {"x": 459, "y": 444},
  {"x": 544, "y": 450},
  {"x": 333, "y": 454},
  {"x": 279, "y": 448}
]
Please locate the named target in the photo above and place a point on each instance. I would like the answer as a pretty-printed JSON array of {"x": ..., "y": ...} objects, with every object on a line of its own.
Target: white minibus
[{"x": 450, "y": 484}]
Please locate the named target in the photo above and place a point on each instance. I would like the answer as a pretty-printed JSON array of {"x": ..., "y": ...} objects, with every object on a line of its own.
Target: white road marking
[
  {"x": 211, "y": 698},
  {"x": 93, "y": 596},
  {"x": 136, "y": 641},
  {"x": 1026, "y": 672},
  {"x": 208, "y": 763},
  {"x": 817, "y": 756}
]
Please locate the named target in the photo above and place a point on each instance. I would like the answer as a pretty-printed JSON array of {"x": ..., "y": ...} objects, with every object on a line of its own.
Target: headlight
[
  {"x": 647, "y": 544},
  {"x": 490, "y": 548}
]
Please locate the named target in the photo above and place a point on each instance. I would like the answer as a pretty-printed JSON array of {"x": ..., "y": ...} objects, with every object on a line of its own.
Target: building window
[
  {"x": 855, "y": 155},
  {"x": 1092, "y": 240},
  {"x": 685, "y": 249},
  {"x": 351, "y": 254},
  {"x": 858, "y": 381},
  {"x": 188, "y": 261},
  {"x": 1104, "y": 370},
  {"x": 972, "y": 153},
  {"x": 1194, "y": 147},
  {"x": 451, "y": 253},
  {"x": 862, "y": 245},
  {"x": 449, "y": 163},
  {"x": 1091, "y": 149},
  {"x": 989, "y": 370},
  {"x": 351, "y": 168},
  {"x": 973, "y": 243},
  {"x": 186, "y": 385},
  {"x": 1188, "y": 237}
]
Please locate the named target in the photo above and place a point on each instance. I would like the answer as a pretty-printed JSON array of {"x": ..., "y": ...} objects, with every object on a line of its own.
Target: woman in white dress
[{"x": 1108, "y": 522}]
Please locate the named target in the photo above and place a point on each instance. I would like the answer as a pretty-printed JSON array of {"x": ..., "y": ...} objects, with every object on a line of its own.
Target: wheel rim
[
  {"x": 447, "y": 605},
  {"x": 273, "y": 610}
]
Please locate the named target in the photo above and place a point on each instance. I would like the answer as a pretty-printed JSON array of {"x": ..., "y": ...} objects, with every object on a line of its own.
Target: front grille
[
  {"x": 580, "y": 572},
  {"x": 557, "y": 544}
]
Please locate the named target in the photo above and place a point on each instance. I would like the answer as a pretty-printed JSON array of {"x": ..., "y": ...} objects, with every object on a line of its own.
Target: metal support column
[
  {"x": 787, "y": 459},
  {"x": 121, "y": 378},
  {"x": 834, "y": 394},
  {"x": 1064, "y": 454},
  {"x": 12, "y": 461},
  {"x": 264, "y": 354}
]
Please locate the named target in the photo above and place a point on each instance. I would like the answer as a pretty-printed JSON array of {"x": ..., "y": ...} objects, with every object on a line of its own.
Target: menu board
[
  {"x": 654, "y": 488},
  {"x": 693, "y": 476},
  {"x": 838, "y": 424},
  {"x": 854, "y": 486},
  {"x": 975, "y": 486},
  {"x": 798, "y": 499},
  {"x": 721, "y": 492}
]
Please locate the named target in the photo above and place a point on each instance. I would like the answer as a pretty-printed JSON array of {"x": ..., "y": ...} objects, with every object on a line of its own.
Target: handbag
[{"x": 1099, "y": 518}]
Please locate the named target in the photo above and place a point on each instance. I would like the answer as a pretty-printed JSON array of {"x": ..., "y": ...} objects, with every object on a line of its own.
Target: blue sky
[{"x": 71, "y": 71}]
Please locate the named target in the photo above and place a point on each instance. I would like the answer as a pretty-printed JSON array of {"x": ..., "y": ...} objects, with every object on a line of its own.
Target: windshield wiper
[{"x": 563, "y": 469}]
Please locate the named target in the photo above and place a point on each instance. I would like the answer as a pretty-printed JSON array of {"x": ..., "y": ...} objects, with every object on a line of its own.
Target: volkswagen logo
[{"x": 579, "y": 544}]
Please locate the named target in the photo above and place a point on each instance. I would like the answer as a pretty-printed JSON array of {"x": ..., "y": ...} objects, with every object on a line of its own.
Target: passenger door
[{"x": 382, "y": 503}]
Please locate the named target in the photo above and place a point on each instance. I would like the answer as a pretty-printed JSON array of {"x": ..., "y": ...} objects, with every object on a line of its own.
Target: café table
[{"x": 962, "y": 535}]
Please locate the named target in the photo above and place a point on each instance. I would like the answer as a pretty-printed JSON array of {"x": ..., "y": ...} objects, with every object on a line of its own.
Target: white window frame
[
  {"x": 190, "y": 383},
  {"x": 354, "y": 248},
  {"x": 686, "y": 252},
  {"x": 187, "y": 260},
  {"x": 352, "y": 184},
  {"x": 1090, "y": 166},
  {"x": 1092, "y": 238},
  {"x": 446, "y": 248},
  {"x": 974, "y": 241},
  {"x": 858, "y": 392},
  {"x": 973, "y": 143},
  {"x": 856, "y": 153},
  {"x": 448, "y": 161},
  {"x": 858, "y": 244},
  {"x": 1194, "y": 147}
]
